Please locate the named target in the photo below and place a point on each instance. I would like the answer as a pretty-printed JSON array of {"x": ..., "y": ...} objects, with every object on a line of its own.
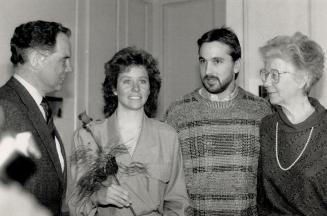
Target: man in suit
[{"x": 41, "y": 57}]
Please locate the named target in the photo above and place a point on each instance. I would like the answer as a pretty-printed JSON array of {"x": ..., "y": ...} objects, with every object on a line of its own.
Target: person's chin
[
  {"x": 136, "y": 106},
  {"x": 213, "y": 89}
]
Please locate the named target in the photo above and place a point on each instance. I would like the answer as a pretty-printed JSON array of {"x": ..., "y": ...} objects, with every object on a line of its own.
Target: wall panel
[
  {"x": 137, "y": 23},
  {"x": 318, "y": 18},
  {"x": 102, "y": 45}
]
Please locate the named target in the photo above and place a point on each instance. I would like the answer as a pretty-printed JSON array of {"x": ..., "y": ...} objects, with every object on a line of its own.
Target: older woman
[
  {"x": 293, "y": 162},
  {"x": 131, "y": 89}
]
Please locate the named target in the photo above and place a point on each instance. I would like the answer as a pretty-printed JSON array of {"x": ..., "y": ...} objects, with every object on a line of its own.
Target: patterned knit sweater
[
  {"x": 301, "y": 190},
  {"x": 220, "y": 146}
]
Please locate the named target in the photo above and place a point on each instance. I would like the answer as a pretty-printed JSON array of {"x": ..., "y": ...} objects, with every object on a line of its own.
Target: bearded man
[{"x": 218, "y": 128}]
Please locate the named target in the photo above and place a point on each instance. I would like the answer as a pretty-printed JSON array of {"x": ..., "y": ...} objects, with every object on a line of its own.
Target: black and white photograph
[{"x": 163, "y": 107}]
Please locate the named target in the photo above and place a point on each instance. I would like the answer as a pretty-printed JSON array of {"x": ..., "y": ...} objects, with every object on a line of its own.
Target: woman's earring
[{"x": 115, "y": 93}]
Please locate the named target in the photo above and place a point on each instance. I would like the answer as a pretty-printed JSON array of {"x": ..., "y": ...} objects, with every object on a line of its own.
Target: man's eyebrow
[{"x": 217, "y": 58}]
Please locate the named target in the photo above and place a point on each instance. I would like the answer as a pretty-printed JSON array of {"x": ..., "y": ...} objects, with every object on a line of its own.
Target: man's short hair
[
  {"x": 34, "y": 35},
  {"x": 224, "y": 35}
]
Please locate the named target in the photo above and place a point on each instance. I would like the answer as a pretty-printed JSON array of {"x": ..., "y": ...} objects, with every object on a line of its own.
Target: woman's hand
[{"x": 114, "y": 195}]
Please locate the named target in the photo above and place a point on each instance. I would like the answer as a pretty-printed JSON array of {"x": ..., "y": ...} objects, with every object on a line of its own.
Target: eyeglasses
[{"x": 274, "y": 74}]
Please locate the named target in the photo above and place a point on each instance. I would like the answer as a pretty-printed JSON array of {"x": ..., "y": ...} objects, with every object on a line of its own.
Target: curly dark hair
[
  {"x": 36, "y": 35},
  {"x": 119, "y": 63}
]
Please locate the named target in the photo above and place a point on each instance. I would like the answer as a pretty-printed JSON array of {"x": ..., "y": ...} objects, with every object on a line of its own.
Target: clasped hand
[{"x": 113, "y": 195}]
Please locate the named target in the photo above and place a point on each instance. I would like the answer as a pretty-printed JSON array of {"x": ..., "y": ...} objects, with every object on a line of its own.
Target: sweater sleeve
[
  {"x": 262, "y": 201},
  {"x": 261, "y": 198},
  {"x": 169, "y": 118},
  {"x": 315, "y": 189},
  {"x": 321, "y": 182}
]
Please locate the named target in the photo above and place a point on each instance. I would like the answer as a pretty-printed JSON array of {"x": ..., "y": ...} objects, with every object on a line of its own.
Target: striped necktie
[{"x": 48, "y": 115}]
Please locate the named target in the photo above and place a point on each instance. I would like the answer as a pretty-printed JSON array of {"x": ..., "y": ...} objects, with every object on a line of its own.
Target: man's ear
[
  {"x": 237, "y": 66},
  {"x": 36, "y": 58}
]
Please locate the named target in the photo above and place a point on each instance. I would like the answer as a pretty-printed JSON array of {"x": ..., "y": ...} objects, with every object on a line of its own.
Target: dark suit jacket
[{"x": 48, "y": 183}]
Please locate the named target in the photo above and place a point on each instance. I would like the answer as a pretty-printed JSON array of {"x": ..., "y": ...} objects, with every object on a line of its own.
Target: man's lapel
[
  {"x": 63, "y": 154},
  {"x": 37, "y": 119}
]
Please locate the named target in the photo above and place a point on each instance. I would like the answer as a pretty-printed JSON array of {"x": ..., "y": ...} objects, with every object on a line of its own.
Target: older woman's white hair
[{"x": 304, "y": 53}]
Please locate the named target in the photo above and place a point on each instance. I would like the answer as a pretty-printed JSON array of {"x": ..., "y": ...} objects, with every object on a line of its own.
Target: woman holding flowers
[{"x": 144, "y": 173}]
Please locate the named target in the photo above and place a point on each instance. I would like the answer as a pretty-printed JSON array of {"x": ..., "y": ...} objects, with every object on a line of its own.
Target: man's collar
[
  {"x": 30, "y": 88},
  {"x": 215, "y": 97}
]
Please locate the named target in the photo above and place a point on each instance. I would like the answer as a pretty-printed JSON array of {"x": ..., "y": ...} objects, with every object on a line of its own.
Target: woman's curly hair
[{"x": 119, "y": 63}]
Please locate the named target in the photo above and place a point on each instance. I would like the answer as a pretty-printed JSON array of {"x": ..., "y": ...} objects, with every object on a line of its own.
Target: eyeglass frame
[{"x": 264, "y": 78}]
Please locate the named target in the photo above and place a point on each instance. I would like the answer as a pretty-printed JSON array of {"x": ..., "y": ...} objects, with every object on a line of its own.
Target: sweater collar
[
  {"x": 311, "y": 121},
  {"x": 215, "y": 97},
  {"x": 217, "y": 104}
]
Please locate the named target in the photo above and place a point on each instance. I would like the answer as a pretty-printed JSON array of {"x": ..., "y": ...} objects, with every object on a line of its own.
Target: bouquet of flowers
[{"x": 102, "y": 164}]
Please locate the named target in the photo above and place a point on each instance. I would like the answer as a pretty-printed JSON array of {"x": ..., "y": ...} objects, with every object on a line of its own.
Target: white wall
[
  {"x": 102, "y": 36},
  {"x": 318, "y": 31}
]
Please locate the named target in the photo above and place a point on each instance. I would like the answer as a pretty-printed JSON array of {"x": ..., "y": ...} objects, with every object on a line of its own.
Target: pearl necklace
[{"x": 305, "y": 146}]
